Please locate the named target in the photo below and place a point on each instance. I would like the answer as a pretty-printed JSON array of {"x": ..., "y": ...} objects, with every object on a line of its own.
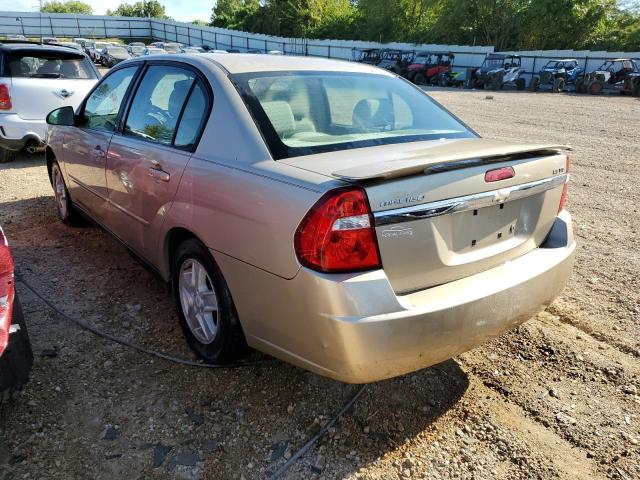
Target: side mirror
[{"x": 64, "y": 116}]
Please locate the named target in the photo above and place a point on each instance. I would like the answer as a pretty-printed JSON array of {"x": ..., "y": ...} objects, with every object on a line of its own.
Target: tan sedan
[{"x": 328, "y": 213}]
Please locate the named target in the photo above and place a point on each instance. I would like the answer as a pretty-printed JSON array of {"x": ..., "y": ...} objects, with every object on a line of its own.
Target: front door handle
[{"x": 159, "y": 174}]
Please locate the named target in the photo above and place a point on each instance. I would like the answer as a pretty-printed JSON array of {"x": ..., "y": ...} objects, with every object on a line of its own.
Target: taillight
[
  {"x": 5, "y": 97},
  {"x": 565, "y": 188},
  {"x": 498, "y": 174},
  {"x": 337, "y": 234},
  {"x": 6, "y": 291}
]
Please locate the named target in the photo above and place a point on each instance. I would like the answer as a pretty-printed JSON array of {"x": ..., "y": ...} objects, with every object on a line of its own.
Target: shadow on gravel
[
  {"x": 173, "y": 420},
  {"x": 24, "y": 160}
]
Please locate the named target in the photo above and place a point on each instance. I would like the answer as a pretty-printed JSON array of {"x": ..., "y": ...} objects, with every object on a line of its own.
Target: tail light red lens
[
  {"x": 5, "y": 97},
  {"x": 6, "y": 291},
  {"x": 337, "y": 234},
  {"x": 498, "y": 174},
  {"x": 565, "y": 188}
]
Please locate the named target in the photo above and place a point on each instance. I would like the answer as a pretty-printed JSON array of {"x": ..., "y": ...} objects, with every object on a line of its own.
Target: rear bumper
[
  {"x": 16, "y": 133},
  {"x": 354, "y": 328}
]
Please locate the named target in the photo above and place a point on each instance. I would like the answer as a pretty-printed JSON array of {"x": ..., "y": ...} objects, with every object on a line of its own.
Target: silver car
[{"x": 328, "y": 213}]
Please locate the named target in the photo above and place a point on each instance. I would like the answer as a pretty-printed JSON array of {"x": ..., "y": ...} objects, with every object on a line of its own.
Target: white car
[{"x": 36, "y": 79}]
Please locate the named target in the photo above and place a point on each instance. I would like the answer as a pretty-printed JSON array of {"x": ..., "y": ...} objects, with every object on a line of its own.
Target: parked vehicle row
[
  {"x": 421, "y": 68},
  {"x": 505, "y": 70}
]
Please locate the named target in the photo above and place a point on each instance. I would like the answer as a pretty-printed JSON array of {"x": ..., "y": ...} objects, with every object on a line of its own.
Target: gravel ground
[{"x": 556, "y": 398}]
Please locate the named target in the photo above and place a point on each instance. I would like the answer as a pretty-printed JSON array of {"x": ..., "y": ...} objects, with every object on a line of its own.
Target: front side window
[
  {"x": 157, "y": 104},
  {"x": 302, "y": 113},
  {"x": 102, "y": 106}
]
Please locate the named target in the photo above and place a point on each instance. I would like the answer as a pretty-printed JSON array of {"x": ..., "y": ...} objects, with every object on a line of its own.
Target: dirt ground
[{"x": 556, "y": 398}]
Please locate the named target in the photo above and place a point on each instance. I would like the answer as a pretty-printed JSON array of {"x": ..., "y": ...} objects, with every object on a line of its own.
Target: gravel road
[{"x": 556, "y": 398}]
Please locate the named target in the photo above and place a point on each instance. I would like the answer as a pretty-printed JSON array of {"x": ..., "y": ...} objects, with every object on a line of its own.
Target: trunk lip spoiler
[
  {"x": 468, "y": 202},
  {"x": 444, "y": 162}
]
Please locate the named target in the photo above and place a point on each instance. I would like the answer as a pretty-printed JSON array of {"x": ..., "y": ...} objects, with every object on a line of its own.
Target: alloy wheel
[
  {"x": 198, "y": 300},
  {"x": 60, "y": 193}
]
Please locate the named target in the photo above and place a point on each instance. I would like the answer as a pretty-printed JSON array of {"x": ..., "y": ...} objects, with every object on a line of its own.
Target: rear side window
[
  {"x": 193, "y": 119},
  {"x": 42, "y": 64},
  {"x": 158, "y": 103}
]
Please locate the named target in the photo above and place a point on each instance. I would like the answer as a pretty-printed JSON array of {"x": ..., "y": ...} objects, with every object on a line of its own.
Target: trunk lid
[{"x": 437, "y": 219}]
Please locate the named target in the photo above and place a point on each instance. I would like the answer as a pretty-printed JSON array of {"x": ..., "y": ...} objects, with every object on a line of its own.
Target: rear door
[
  {"x": 85, "y": 148},
  {"x": 146, "y": 159},
  {"x": 43, "y": 80}
]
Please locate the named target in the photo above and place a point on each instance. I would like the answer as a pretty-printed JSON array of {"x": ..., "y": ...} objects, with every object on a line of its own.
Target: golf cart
[
  {"x": 497, "y": 71},
  {"x": 396, "y": 61},
  {"x": 621, "y": 74},
  {"x": 557, "y": 74},
  {"x": 370, "y": 56},
  {"x": 429, "y": 68}
]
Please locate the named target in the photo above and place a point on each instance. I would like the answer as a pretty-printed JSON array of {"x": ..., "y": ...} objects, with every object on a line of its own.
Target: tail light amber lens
[{"x": 337, "y": 234}]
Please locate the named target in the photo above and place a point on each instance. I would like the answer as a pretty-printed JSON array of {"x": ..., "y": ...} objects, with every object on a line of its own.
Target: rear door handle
[{"x": 98, "y": 152}]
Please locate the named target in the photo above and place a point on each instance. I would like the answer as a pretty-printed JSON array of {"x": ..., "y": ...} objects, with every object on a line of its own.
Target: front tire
[
  {"x": 64, "y": 205},
  {"x": 419, "y": 79},
  {"x": 204, "y": 305}
]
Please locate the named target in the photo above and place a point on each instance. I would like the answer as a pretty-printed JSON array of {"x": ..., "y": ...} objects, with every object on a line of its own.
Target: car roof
[
  {"x": 34, "y": 46},
  {"x": 247, "y": 62}
]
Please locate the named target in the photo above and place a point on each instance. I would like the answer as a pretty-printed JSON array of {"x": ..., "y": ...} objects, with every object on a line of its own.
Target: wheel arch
[
  {"x": 174, "y": 237},
  {"x": 50, "y": 157}
]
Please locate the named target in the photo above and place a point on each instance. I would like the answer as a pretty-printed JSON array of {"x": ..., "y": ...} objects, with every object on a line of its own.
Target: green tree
[
  {"x": 70, "y": 6},
  {"x": 151, "y": 9}
]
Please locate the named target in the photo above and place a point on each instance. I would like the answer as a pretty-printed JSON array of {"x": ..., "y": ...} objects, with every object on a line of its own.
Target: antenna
[{"x": 40, "y": 2}]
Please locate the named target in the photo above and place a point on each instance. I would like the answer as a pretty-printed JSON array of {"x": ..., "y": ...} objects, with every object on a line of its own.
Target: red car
[
  {"x": 427, "y": 67},
  {"x": 16, "y": 357}
]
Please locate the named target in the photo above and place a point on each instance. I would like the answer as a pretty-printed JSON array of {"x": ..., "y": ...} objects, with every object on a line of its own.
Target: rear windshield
[
  {"x": 302, "y": 113},
  {"x": 42, "y": 64}
]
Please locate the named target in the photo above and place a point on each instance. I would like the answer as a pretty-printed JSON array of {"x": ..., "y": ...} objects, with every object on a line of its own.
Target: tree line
[{"x": 506, "y": 24}]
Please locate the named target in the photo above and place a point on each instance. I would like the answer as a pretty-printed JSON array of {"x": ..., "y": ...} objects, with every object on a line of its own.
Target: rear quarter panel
[{"x": 235, "y": 198}]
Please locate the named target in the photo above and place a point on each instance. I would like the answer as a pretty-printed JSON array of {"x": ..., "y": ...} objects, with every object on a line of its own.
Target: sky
[{"x": 182, "y": 10}]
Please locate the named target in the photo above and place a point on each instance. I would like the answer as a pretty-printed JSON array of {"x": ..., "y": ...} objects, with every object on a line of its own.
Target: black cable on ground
[
  {"x": 90, "y": 328},
  {"x": 307, "y": 446},
  {"x": 126, "y": 343}
]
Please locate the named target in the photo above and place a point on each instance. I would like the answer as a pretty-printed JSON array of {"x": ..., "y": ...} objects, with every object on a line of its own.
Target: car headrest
[{"x": 281, "y": 117}]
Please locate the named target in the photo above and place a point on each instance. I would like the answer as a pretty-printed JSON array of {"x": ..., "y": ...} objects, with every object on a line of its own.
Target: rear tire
[
  {"x": 533, "y": 84},
  {"x": 520, "y": 84},
  {"x": 636, "y": 88},
  {"x": 419, "y": 79},
  {"x": 558, "y": 85},
  {"x": 64, "y": 206},
  {"x": 580, "y": 87},
  {"x": 204, "y": 305},
  {"x": 595, "y": 87},
  {"x": 7, "y": 155}
]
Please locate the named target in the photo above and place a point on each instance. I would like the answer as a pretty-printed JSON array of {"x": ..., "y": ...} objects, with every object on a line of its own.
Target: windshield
[
  {"x": 137, "y": 49},
  {"x": 302, "y": 113},
  {"x": 492, "y": 62},
  {"x": 38, "y": 64},
  {"x": 117, "y": 51},
  {"x": 423, "y": 59}
]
